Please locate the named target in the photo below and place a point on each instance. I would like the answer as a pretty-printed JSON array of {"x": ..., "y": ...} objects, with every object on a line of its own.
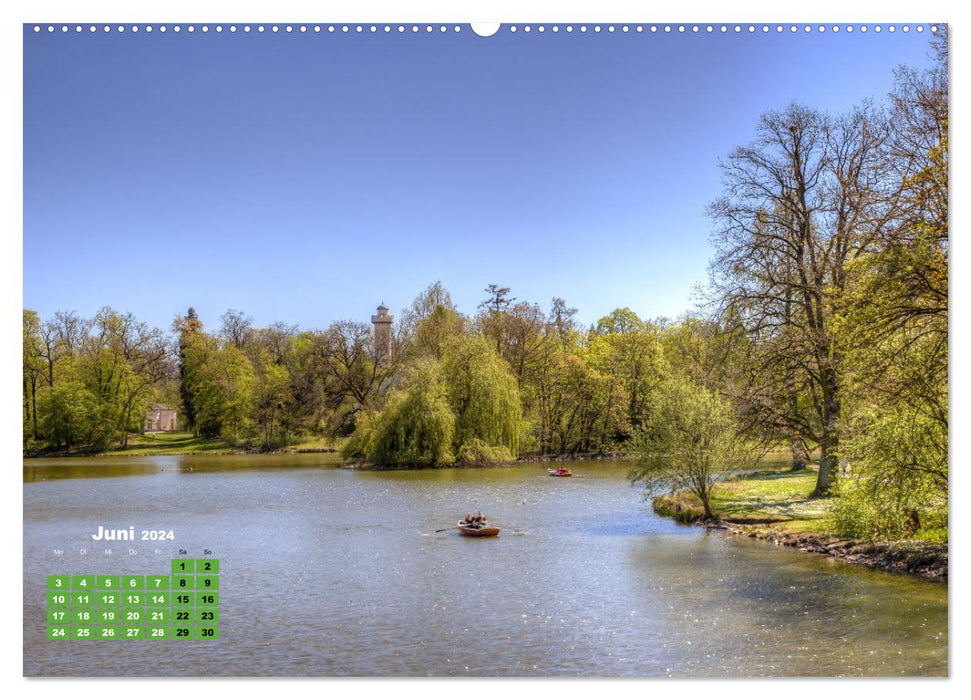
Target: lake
[{"x": 335, "y": 572}]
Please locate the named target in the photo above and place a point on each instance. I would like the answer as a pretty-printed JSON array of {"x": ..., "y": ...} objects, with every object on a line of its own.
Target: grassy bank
[
  {"x": 775, "y": 506},
  {"x": 189, "y": 444},
  {"x": 773, "y": 497}
]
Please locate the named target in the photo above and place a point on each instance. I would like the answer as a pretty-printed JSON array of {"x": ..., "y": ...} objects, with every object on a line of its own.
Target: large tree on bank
[{"x": 804, "y": 199}]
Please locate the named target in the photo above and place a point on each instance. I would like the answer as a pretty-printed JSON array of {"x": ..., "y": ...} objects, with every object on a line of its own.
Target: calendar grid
[{"x": 182, "y": 604}]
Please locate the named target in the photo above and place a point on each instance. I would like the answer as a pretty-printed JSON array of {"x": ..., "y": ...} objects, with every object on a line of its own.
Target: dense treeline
[
  {"x": 825, "y": 333},
  {"x": 508, "y": 380},
  {"x": 87, "y": 382}
]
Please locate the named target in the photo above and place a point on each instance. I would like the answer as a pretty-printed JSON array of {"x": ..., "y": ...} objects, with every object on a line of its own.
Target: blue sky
[{"x": 307, "y": 177}]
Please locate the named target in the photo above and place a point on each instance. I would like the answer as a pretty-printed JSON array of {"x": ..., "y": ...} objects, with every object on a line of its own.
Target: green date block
[
  {"x": 108, "y": 616},
  {"x": 207, "y": 599},
  {"x": 109, "y": 583},
  {"x": 82, "y": 632},
  {"x": 182, "y": 632},
  {"x": 207, "y": 566},
  {"x": 58, "y": 583},
  {"x": 207, "y": 583},
  {"x": 58, "y": 617},
  {"x": 132, "y": 617},
  {"x": 183, "y": 583},
  {"x": 207, "y": 616},
  {"x": 83, "y": 599},
  {"x": 207, "y": 632},
  {"x": 82, "y": 583},
  {"x": 84, "y": 616},
  {"x": 58, "y": 632},
  {"x": 182, "y": 616},
  {"x": 183, "y": 600},
  {"x": 132, "y": 632},
  {"x": 157, "y": 583},
  {"x": 108, "y": 599},
  {"x": 159, "y": 600},
  {"x": 137, "y": 600},
  {"x": 132, "y": 583},
  {"x": 107, "y": 632},
  {"x": 57, "y": 599},
  {"x": 158, "y": 632},
  {"x": 162, "y": 616},
  {"x": 183, "y": 566}
]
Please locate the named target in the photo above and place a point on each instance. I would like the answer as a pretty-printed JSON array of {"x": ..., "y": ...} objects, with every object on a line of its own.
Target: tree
[
  {"x": 236, "y": 327},
  {"x": 33, "y": 372},
  {"x": 417, "y": 426},
  {"x": 804, "y": 199},
  {"x": 563, "y": 319},
  {"x": 428, "y": 323},
  {"x": 186, "y": 326},
  {"x": 690, "y": 444},
  {"x": 628, "y": 349},
  {"x": 220, "y": 380},
  {"x": 482, "y": 393},
  {"x": 498, "y": 299},
  {"x": 69, "y": 413},
  {"x": 349, "y": 364},
  {"x": 894, "y": 328},
  {"x": 271, "y": 395}
]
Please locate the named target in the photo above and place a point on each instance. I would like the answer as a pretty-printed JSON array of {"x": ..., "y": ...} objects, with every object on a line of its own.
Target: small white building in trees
[
  {"x": 383, "y": 346},
  {"x": 160, "y": 419}
]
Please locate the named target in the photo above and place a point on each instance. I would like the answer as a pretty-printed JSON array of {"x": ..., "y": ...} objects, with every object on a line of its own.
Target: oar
[{"x": 456, "y": 527}]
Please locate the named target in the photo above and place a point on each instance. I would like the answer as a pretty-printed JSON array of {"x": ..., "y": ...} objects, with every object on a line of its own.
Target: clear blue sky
[{"x": 305, "y": 178}]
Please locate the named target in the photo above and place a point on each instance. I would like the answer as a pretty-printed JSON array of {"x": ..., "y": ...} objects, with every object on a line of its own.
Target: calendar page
[{"x": 527, "y": 349}]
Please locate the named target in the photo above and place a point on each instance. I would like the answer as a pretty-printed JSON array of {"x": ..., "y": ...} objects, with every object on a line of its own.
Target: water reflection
[{"x": 338, "y": 572}]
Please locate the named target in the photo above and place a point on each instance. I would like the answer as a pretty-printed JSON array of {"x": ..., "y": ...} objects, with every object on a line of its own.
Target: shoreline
[
  {"x": 535, "y": 459},
  {"x": 182, "y": 453},
  {"x": 349, "y": 464},
  {"x": 924, "y": 560}
]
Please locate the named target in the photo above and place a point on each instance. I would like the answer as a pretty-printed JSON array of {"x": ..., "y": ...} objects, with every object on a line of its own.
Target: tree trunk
[
  {"x": 33, "y": 402},
  {"x": 799, "y": 456},
  {"x": 831, "y": 437}
]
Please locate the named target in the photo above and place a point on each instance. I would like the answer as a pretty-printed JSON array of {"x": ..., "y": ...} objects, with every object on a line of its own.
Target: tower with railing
[{"x": 383, "y": 346}]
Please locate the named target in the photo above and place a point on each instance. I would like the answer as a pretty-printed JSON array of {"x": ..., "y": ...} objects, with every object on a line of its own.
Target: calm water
[{"x": 335, "y": 572}]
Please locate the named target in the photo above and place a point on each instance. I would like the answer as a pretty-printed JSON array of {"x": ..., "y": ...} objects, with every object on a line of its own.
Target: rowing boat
[
  {"x": 562, "y": 471},
  {"x": 477, "y": 530}
]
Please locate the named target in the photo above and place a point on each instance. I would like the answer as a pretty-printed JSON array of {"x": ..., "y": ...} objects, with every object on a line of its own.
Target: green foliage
[
  {"x": 482, "y": 393},
  {"x": 865, "y": 512},
  {"x": 360, "y": 444},
  {"x": 629, "y": 350},
  {"x": 690, "y": 444},
  {"x": 70, "y": 413},
  {"x": 476, "y": 451},
  {"x": 221, "y": 382},
  {"x": 416, "y": 427},
  {"x": 897, "y": 482}
]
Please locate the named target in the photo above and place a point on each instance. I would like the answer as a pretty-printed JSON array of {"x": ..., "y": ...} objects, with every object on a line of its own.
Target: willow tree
[
  {"x": 416, "y": 426},
  {"x": 482, "y": 393}
]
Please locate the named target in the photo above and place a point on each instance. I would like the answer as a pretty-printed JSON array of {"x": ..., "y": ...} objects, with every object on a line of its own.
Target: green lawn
[
  {"x": 777, "y": 497},
  {"x": 171, "y": 443},
  {"x": 187, "y": 443}
]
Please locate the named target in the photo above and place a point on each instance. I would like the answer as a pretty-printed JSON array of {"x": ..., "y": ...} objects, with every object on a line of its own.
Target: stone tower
[{"x": 382, "y": 334}]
